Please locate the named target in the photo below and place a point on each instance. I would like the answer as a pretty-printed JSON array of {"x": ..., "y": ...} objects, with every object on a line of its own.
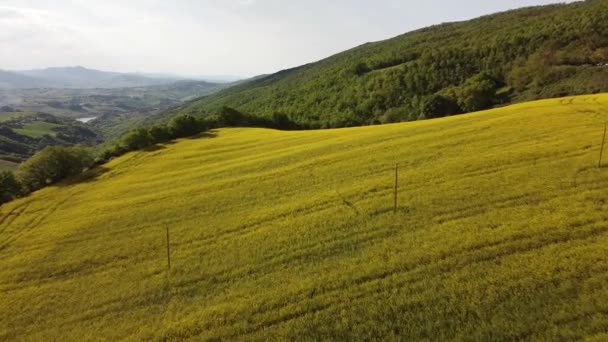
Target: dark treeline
[
  {"x": 49, "y": 166},
  {"x": 515, "y": 56},
  {"x": 56, "y": 163},
  {"x": 185, "y": 125}
]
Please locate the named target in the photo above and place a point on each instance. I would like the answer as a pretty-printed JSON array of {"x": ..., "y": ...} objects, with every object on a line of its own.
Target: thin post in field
[
  {"x": 396, "y": 187},
  {"x": 168, "y": 249},
  {"x": 599, "y": 165}
]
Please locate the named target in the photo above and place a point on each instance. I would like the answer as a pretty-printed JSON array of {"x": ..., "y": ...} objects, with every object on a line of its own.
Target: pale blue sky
[{"x": 194, "y": 37}]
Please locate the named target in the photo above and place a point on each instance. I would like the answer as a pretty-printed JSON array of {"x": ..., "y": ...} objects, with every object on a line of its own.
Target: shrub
[
  {"x": 9, "y": 187},
  {"x": 159, "y": 134},
  {"x": 52, "y": 165},
  {"x": 184, "y": 126},
  {"x": 438, "y": 106},
  {"x": 110, "y": 152},
  {"x": 137, "y": 139},
  {"x": 478, "y": 93},
  {"x": 393, "y": 115},
  {"x": 230, "y": 117},
  {"x": 283, "y": 121},
  {"x": 361, "y": 69}
]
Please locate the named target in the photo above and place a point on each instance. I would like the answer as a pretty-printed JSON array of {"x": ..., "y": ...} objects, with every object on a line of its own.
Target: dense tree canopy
[
  {"x": 519, "y": 55},
  {"x": 438, "y": 106},
  {"x": 9, "y": 187},
  {"x": 52, "y": 165},
  {"x": 137, "y": 139},
  {"x": 184, "y": 126}
]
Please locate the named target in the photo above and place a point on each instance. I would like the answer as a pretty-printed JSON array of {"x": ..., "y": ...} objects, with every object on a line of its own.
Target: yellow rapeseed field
[{"x": 501, "y": 233}]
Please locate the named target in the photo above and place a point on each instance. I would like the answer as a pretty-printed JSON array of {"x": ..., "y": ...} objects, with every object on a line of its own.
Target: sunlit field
[
  {"x": 6, "y": 116},
  {"x": 501, "y": 233},
  {"x": 38, "y": 129}
]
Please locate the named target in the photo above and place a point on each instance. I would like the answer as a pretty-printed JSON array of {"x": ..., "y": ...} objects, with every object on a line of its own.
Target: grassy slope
[
  {"x": 6, "y": 116},
  {"x": 6, "y": 165},
  {"x": 501, "y": 233},
  {"x": 38, "y": 129}
]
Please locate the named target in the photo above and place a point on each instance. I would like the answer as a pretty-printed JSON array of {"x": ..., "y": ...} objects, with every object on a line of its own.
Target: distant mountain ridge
[
  {"x": 9, "y": 79},
  {"x": 81, "y": 77}
]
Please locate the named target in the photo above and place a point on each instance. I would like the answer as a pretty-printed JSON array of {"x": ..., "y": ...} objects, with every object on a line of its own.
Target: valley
[
  {"x": 78, "y": 103},
  {"x": 104, "y": 114},
  {"x": 22, "y": 134}
]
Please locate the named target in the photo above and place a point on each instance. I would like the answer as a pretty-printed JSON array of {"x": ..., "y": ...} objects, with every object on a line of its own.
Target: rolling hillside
[
  {"x": 115, "y": 110},
  {"x": 7, "y": 165},
  {"x": 520, "y": 55},
  {"x": 94, "y": 102},
  {"x": 22, "y": 134},
  {"x": 501, "y": 234}
]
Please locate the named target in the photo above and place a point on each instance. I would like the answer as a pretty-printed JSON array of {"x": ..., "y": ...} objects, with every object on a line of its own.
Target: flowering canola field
[{"x": 501, "y": 232}]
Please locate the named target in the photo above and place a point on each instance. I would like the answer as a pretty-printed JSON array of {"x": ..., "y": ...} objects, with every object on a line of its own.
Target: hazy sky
[{"x": 211, "y": 37}]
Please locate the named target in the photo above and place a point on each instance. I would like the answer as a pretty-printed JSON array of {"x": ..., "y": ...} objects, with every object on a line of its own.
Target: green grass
[
  {"x": 38, "y": 129},
  {"x": 6, "y": 165},
  {"x": 501, "y": 234},
  {"x": 6, "y": 116}
]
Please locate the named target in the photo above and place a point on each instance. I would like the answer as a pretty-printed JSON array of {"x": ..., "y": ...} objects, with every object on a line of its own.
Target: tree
[
  {"x": 137, "y": 139},
  {"x": 438, "y": 106},
  {"x": 52, "y": 165},
  {"x": 9, "y": 187},
  {"x": 282, "y": 121},
  {"x": 520, "y": 77},
  {"x": 478, "y": 93},
  {"x": 159, "y": 134},
  {"x": 231, "y": 117},
  {"x": 184, "y": 125},
  {"x": 361, "y": 69},
  {"x": 393, "y": 115}
]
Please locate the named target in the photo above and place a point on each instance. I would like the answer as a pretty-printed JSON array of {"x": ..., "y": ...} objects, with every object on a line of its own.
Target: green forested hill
[{"x": 519, "y": 55}]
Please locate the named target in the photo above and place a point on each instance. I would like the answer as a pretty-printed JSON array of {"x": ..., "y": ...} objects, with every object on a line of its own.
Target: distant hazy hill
[
  {"x": 9, "y": 79},
  {"x": 77, "y": 77},
  {"x": 524, "y": 54},
  {"x": 111, "y": 106}
]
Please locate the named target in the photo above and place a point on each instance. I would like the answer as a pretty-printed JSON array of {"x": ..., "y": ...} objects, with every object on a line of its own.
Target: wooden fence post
[
  {"x": 396, "y": 187},
  {"x": 599, "y": 165},
  {"x": 168, "y": 249}
]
